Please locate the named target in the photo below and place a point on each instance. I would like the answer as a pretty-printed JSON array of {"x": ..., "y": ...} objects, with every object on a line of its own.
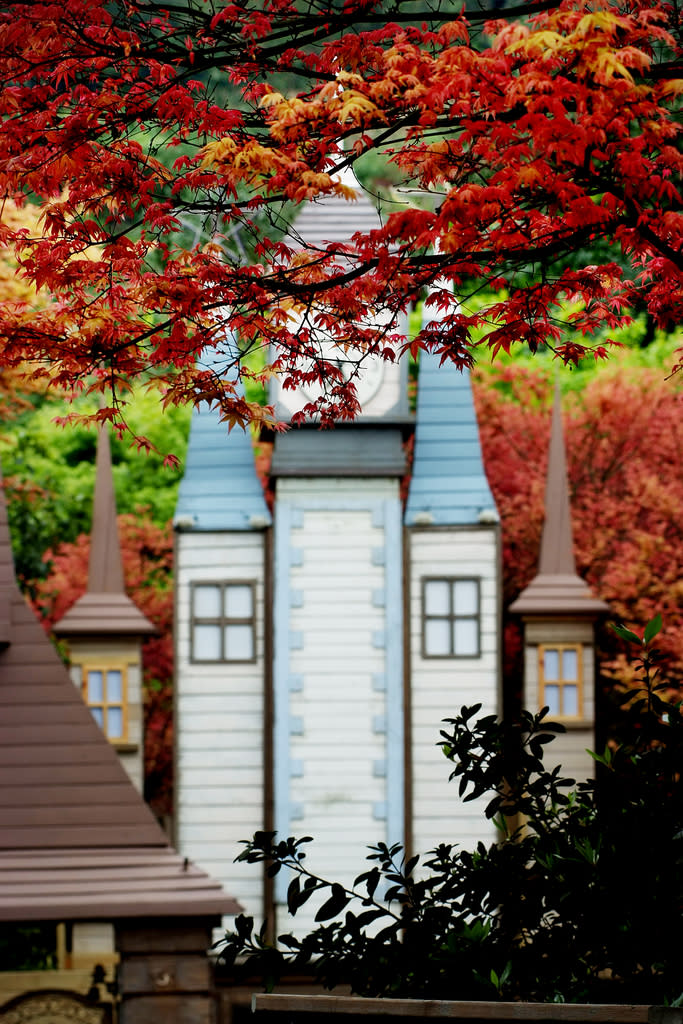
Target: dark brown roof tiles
[{"x": 76, "y": 839}]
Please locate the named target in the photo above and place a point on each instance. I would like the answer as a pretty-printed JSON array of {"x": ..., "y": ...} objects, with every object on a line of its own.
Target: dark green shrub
[{"x": 581, "y": 903}]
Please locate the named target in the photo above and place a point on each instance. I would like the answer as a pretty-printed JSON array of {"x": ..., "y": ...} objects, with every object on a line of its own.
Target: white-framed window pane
[
  {"x": 98, "y": 716},
  {"x": 238, "y": 602},
  {"x": 207, "y": 643},
  {"x": 437, "y": 636},
  {"x": 465, "y": 597},
  {"x": 207, "y": 602},
  {"x": 465, "y": 637},
  {"x": 239, "y": 643},
  {"x": 570, "y": 700},
  {"x": 115, "y": 723},
  {"x": 551, "y": 696},
  {"x": 437, "y": 597},
  {"x": 570, "y": 664},
  {"x": 551, "y": 663},
  {"x": 95, "y": 688},
  {"x": 114, "y": 686}
]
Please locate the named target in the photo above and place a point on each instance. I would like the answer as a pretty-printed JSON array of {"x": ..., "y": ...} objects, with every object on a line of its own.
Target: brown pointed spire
[
  {"x": 557, "y": 589},
  {"x": 105, "y": 570},
  {"x": 105, "y": 608}
]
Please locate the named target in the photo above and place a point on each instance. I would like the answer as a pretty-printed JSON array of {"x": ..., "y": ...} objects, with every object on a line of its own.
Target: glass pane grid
[
  {"x": 560, "y": 679},
  {"x": 104, "y": 694},
  {"x": 228, "y": 633},
  {"x": 450, "y": 618}
]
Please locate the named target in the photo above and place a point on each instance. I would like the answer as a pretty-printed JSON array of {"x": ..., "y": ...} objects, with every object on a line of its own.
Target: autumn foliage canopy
[{"x": 536, "y": 145}]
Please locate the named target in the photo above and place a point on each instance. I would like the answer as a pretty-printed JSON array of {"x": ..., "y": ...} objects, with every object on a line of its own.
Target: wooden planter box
[{"x": 306, "y": 1009}]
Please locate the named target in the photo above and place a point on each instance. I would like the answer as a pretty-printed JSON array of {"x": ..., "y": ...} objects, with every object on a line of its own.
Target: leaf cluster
[
  {"x": 167, "y": 148},
  {"x": 579, "y": 900}
]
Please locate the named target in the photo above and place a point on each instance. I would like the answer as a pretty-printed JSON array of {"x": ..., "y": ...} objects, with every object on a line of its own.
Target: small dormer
[{"x": 104, "y": 630}]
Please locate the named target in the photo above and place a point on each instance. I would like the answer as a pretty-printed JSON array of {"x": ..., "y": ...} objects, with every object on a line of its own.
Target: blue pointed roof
[
  {"x": 448, "y": 486},
  {"x": 220, "y": 489}
]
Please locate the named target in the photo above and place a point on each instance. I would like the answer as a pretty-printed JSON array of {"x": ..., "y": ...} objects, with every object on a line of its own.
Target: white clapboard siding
[
  {"x": 440, "y": 687},
  {"x": 336, "y": 619},
  {"x": 219, "y": 715}
]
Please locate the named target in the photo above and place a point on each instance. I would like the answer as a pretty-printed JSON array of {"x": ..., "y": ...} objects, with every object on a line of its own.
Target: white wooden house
[{"x": 320, "y": 646}]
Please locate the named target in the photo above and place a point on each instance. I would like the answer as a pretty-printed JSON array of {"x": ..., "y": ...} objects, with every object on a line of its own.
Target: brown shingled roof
[
  {"x": 76, "y": 839},
  {"x": 105, "y": 608},
  {"x": 557, "y": 589}
]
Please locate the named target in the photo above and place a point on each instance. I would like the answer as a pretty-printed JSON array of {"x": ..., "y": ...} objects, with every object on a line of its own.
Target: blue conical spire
[
  {"x": 448, "y": 486},
  {"x": 220, "y": 489}
]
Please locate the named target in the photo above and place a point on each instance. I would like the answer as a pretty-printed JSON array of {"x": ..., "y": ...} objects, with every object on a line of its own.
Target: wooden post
[{"x": 165, "y": 974}]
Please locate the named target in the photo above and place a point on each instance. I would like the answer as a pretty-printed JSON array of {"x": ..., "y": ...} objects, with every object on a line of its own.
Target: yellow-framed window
[
  {"x": 104, "y": 689},
  {"x": 560, "y": 679}
]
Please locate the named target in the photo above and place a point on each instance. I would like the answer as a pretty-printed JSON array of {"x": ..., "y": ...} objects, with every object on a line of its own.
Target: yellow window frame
[
  {"x": 561, "y": 683},
  {"x": 105, "y": 705}
]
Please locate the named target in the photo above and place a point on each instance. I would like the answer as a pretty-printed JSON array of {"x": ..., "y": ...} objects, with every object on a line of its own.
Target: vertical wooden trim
[
  {"x": 500, "y": 635},
  {"x": 394, "y": 629},
  {"x": 408, "y": 841},
  {"x": 174, "y": 698},
  {"x": 268, "y": 761},
  {"x": 281, "y": 669}
]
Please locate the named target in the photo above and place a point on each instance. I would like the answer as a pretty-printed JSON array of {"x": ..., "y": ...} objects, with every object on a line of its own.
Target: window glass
[
  {"x": 551, "y": 696},
  {"x": 570, "y": 699},
  {"x": 95, "y": 688},
  {"x": 560, "y": 679},
  {"x": 465, "y": 637},
  {"x": 114, "y": 686},
  {"x": 551, "y": 663},
  {"x": 570, "y": 664},
  {"x": 437, "y": 636},
  {"x": 114, "y": 723},
  {"x": 451, "y": 623},
  {"x": 207, "y": 602},
  {"x": 239, "y": 645},
  {"x": 437, "y": 597},
  {"x": 238, "y": 602},
  {"x": 98, "y": 715},
  {"x": 223, "y": 626},
  {"x": 207, "y": 643},
  {"x": 466, "y": 597}
]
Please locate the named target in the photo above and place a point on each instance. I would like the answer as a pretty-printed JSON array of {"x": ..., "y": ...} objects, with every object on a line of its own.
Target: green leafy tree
[{"x": 50, "y": 475}]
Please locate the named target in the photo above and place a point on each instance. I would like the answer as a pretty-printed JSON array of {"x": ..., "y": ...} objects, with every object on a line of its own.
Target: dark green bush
[{"x": 580, "y": 903}]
